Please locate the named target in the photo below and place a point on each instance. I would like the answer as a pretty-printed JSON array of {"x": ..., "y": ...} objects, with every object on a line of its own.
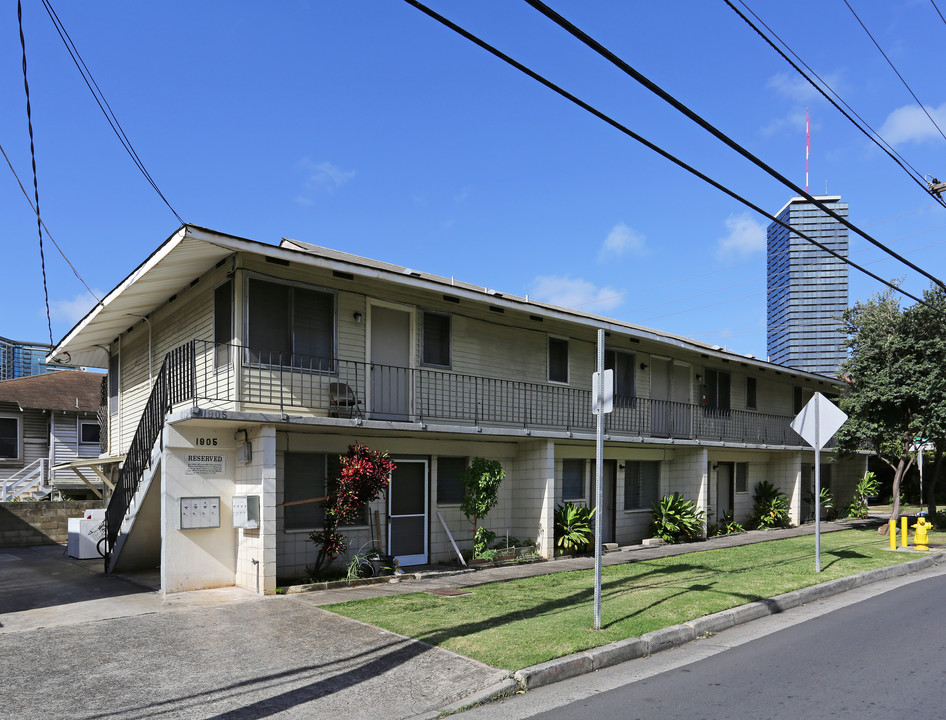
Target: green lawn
[{"x": 523, "y": 622}]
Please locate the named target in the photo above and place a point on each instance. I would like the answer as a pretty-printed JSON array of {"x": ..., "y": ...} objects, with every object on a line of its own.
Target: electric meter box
[
  {"x": 200, "y": 512},
  {"x": 246, "y": 512}
]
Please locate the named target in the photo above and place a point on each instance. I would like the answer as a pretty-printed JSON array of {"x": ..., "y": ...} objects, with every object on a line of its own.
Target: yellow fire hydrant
[{"x": 921, "y": 537}]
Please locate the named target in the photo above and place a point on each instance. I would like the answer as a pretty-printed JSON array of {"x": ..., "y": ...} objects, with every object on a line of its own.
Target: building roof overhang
[{"x": 193, "y": 250}]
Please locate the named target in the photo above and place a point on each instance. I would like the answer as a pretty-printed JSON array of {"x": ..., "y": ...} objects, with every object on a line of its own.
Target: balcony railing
[{"x": 225, "y": 374}]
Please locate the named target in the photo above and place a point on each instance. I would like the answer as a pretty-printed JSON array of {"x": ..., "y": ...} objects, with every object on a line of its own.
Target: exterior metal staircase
[{"x": 174, "y": 384}]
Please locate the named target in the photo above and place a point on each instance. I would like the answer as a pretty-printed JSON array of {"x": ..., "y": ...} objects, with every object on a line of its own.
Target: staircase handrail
[{"x": 173, "y": 384}]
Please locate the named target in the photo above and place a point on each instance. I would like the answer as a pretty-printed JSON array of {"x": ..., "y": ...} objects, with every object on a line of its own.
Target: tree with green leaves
[
  {"x": 481, "y": 481},
  {"x": 896, "y": 388}
]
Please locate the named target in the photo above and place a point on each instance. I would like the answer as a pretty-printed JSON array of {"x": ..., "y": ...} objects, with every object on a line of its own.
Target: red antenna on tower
[{"x": 807, "y": 146}]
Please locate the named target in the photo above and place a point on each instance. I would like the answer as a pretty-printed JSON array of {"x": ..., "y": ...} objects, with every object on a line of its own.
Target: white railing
[{"x": 29, "y": 482}]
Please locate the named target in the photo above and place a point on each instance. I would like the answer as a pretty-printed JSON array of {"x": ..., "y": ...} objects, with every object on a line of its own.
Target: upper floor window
[
  {"x": 558, "y": 360},
  {"x": 10, "y": 438},
  {"x": 89, "y": 433},
  {"x": 436, "y": 339},
  {"x": 113, "y": 386},
  {"x": 751, "y": 393},
  {"x": 223, "y": 323},
  {"x": 623, "y": 365},
  {"x": 797, "y": 403},
  {"x": 716, "y": 396},
  {"x": 290, "y": 325}
]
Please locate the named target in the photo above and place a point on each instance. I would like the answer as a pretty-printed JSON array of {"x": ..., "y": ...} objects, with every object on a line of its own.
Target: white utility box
[{"x": 246, "y": 512}]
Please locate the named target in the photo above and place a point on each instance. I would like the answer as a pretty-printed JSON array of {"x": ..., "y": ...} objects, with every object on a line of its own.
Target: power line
[
  {"x": 29, "y": 122},
  {"x": 938, "y": 12},
  {"x": 647, "y": 143},
  {"x": 713, "y": 130},
  {"x": 103, "y": 103},
  {"x": 894, "y": 68},
  {"x": 48, "y": 234},
  {"x": 873, "y": 135}
]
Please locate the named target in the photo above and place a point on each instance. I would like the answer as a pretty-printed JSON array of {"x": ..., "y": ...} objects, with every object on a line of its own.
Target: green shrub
[
  {"x": 482, "y": 540},
  {"x": 725, "y": 526},
  {"x": 867, "y": 486},
  {"x": 676, "y": 519},
  {"x": 573, "y": 532},
  {"x": 771, "y": 506}
]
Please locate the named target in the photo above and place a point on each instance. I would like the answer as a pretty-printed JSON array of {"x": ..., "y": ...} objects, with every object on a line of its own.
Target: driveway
[{"x": 78, "y": 644}]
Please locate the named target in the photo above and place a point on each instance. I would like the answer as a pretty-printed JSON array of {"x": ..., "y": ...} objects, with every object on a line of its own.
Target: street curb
[{"x": 587, "y": 661}]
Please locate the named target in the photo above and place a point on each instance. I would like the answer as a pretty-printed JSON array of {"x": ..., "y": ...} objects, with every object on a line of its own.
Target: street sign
[
  {"x": 818, "y": 421},
  {"x": 607, "y": 401}
]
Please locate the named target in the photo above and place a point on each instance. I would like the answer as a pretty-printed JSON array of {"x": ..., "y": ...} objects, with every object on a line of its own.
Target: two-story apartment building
[{"x": 238, "y": 368}]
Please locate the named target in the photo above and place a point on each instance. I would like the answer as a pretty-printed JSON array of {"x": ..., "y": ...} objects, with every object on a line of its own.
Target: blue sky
[{"x": 367, "y": 127}]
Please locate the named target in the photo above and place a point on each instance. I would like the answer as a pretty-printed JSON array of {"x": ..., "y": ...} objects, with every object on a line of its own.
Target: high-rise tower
[{"x": 807, "y": 287}]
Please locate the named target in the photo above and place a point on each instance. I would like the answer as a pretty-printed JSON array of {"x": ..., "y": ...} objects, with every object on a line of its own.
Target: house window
[
  {"x": 291, "y": 325},
  {"x": 641, "y": 484},
  {"x": 307, "y": 476},
  {"x": 223, "y": 323},
  {"x": 751, "y": 393},
  {"x": 558, "y": 360},
  {"x": 573, "y": 479},
  {"x": 113, "y": 384},
  {"x": 9, "y": 438},
  {"x": 450, "y": 488},
  {"x": 742, "y": 477},
  {"x": 623, "y": 365},
  {"x": 89, "y": 433},
  {"x": 797, "y": 404},
  {"x": 716, "y": 396},
  {"x": 436, "y": 339}
]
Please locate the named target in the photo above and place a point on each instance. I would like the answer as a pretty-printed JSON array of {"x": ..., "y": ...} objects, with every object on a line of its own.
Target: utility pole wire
[
  {"x": 647, "y": 143},
  {"x": 29, "y": 122},
  {"x": 873, "y": 135},
  {"x": 716, "y": 132},
  {"x": 894, "y": 68}
]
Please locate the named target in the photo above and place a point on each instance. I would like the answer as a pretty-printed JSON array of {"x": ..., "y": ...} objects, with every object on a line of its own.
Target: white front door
[
  {"x": 390, "y": 388},
  {"x": 407, "y": 512}
]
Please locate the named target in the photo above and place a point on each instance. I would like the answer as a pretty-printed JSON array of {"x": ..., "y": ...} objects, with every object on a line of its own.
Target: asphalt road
[{"x": 875, "y": 652}]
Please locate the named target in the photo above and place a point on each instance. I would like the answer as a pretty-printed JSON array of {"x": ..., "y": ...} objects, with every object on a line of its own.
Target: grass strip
[{"x": 522, "y": 622}]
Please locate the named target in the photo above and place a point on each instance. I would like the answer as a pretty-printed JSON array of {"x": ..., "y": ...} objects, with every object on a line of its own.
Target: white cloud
[
  {"x": 622, "y": 239},
  {"x": 793, "y": 123},
  {"x": 746, "y": 236},
  {"x": 794, "y": 87},
  {"x": 72, "y": 311},
  {"x": 910, "y": 124},
  {"x": 321, "y": 177},
  {"x": 574, "y": 292}
]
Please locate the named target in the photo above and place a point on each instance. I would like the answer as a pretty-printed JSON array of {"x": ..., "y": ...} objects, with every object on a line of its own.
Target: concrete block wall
[
  {"x": 533, "y": 494},
  {"x": 784, "y": 472},
  {"x": 39, "y": 523},
  {"x": 258, "y": 477}
]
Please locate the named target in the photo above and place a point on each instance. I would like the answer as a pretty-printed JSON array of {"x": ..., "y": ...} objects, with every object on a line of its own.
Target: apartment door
[
  {"x": 660, "y": 406},
  {"x": 609, "y": 480},
  {"x": 390, "y": 357},
  {"x": 682, "y": 422},
  {"x": 724, "y": 489},
  {"x": 407, "y": 512}
]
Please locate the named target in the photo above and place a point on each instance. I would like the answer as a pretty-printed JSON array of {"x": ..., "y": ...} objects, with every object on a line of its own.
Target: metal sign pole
[
  {"x": 599, "y": 468},
  {"x": 818, "y": 483}
]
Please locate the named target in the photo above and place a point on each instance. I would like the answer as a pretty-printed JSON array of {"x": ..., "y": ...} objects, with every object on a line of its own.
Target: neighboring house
[
  {"x": 238, "y": 368},
  {"x": 48, "y": 420}
]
